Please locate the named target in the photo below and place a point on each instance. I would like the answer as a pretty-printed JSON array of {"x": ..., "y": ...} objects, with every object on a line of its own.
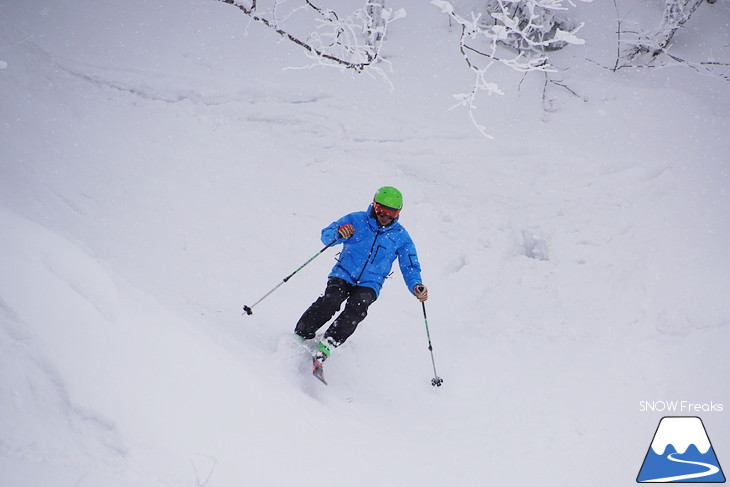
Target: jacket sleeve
[
  {"x": 409, "y": 265},
  {"x": 329, "y": 233}
]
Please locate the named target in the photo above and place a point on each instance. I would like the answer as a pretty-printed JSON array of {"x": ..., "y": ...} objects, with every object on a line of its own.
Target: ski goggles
[{"x": 386, "y": 211}]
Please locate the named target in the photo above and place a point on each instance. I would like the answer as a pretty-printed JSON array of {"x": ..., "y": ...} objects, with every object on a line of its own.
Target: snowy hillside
[{"x": 160, "y": 168}]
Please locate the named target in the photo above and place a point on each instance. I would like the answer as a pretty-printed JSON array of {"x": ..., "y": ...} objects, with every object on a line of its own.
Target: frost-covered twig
[
  {"x": 346, "y": 42},
  {"x": 204, "y": 483},
  {"x": 651, "y": 44},
  {"x": 705, "y": 67},
  {"x": 646, "y": 48},
  {"x": 549, "y": 102},
  {"x": 519, "y": 26}
]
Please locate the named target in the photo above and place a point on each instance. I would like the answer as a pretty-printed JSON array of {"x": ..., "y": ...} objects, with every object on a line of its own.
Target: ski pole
[
  {"x": 436, "y": 381},
  {"x": 249, "y": 309}
]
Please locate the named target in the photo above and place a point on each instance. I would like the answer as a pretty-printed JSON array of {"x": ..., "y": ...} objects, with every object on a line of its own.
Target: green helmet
[{"x": 389, "y": 196}]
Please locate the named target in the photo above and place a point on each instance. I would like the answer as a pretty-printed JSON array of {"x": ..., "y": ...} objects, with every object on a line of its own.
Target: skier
[{"x": 372, "y": 241}]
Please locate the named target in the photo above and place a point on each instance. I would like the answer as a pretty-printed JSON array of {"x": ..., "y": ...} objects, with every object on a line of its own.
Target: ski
[{"x": 318, "y": 370}]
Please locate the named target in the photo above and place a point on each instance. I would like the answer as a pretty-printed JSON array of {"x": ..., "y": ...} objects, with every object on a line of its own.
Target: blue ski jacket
[{"x": 368, "y": 255}]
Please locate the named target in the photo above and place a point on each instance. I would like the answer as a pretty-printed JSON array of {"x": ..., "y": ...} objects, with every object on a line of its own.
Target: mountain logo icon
[{"x": 681, "y": 452}]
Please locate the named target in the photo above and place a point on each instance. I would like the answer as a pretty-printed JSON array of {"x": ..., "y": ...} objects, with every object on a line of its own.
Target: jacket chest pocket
[{"x": 384, "y": 252}]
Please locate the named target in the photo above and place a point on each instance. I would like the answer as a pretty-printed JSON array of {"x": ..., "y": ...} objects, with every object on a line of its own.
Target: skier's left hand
[{"x": 421, "y": 292}]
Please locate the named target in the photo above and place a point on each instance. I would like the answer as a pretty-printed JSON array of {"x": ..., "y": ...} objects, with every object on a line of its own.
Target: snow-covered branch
[
  {"x": 517, "y": 34},
  {"x": 651, "y": 44},
  {"x": 646, "y": 48},
  {"x": 350, "y": 42}
]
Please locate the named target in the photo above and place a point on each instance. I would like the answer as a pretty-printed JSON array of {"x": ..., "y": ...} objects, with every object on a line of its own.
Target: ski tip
[{"x": 318, "y": 371}]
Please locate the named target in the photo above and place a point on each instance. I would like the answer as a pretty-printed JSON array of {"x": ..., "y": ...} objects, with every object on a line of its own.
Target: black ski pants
[{"x": 359, "y": 298}]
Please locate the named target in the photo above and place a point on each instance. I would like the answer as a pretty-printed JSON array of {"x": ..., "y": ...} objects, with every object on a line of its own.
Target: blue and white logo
[{"x": 681, "y": 452}]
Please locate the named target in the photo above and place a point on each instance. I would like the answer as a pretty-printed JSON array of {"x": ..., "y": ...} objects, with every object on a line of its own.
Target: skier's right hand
[{"x": 346, "y": 231}]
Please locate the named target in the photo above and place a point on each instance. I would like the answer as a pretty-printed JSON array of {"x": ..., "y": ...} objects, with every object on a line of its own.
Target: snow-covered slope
[{"x": 159, "y": 169}]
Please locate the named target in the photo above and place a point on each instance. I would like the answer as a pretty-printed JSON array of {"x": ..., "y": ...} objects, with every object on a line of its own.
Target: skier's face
[
  {"x": 383, "y": 220},
  {"x": 384, "y": 214}
]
